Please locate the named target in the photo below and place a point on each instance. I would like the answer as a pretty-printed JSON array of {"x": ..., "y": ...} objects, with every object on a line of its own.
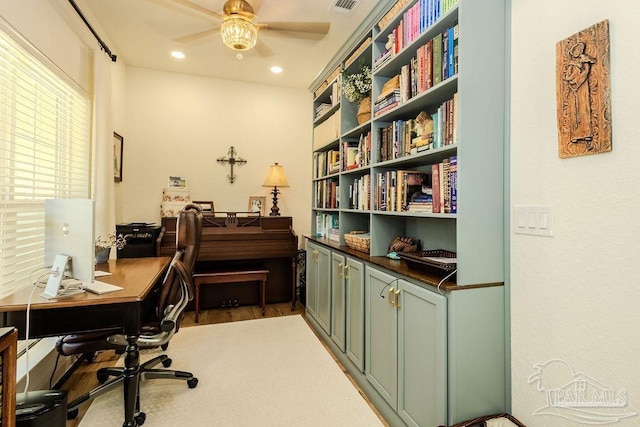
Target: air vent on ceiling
[{"x": 343, "y": 7}]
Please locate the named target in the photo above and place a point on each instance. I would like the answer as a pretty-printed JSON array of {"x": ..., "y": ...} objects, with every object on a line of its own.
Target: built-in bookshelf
[
  {"x": 438, "y": 109},
  {"x": 428, "y": 165}
]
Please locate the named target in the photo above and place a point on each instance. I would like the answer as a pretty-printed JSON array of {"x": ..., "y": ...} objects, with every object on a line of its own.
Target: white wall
[
  {"x": 51, "y": 28},
  {"x": 574, "y": 296},
  {"x": 179, "y": 125}
]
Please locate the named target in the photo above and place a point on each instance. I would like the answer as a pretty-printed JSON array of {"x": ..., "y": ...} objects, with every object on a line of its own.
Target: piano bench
[{"x": 237, "y": 276}]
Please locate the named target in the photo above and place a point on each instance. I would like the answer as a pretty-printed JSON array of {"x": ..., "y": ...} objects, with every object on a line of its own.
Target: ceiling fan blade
[
  {"x": 196, "y": 36},
  {"x": 300, "y": 27},
  {"x": 197, "y": 8},
  {"x": 262, "y": 49}
]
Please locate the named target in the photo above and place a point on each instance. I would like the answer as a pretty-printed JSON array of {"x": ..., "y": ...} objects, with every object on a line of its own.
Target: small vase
[
  {"x": 364, "y": 110},
  {"x": 102, "y": 255}
]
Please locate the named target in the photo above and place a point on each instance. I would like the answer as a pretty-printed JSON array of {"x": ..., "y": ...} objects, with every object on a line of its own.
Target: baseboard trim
[{"x": 42, "y": 362}]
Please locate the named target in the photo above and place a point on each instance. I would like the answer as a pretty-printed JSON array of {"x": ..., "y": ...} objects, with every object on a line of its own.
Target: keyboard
[{"x": 101, "y": 287}]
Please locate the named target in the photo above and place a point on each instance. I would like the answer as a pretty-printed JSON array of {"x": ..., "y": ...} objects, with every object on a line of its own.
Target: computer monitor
[{"x": 69, "y": 230}]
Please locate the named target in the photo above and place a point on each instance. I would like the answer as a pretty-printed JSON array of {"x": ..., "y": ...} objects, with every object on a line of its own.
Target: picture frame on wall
[
  {"x": 257, "y": 205},
  {"x": 118, "y": 151}
]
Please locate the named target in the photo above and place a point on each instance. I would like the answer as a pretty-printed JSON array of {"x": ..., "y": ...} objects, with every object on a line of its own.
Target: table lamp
[{"x": 275, "y": 179}]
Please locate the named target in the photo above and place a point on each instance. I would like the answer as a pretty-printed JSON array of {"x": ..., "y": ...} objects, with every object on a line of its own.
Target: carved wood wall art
[{"x": 583, "y": 92}]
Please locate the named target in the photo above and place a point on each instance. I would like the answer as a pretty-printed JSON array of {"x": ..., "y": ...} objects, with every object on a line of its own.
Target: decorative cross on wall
[{"x": 232, "y": 160}]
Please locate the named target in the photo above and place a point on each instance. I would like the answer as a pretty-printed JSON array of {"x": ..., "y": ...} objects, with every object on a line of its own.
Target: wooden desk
[
  {"x": 240, "y": 243},
  {"x": 89, "y": 312}
]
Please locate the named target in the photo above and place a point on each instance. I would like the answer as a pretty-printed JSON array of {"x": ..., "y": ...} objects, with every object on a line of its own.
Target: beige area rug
[{"x": 265, "y": 372}]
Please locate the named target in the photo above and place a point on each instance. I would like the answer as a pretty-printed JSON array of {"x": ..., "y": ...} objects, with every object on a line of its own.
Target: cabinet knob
[
  {"x": 340, "y": 270},
  {"x": 391, "y": 297},
  {"x": 397, "y": 298},
  {"x": 346, "y": 272}
]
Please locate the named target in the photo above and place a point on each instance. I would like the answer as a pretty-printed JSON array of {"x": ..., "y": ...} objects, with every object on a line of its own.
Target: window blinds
[{"x": 44, "y": 153}]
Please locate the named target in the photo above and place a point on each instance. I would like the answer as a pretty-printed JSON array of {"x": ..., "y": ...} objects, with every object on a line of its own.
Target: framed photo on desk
[
  {"x": 206, "y": 206},
  {"x": 257, "y": 204}
]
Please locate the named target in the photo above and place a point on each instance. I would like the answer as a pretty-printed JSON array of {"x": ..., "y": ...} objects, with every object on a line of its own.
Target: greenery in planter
[
  {"x": 357, "y": 86},
  {"x": 111, "y": 240}
]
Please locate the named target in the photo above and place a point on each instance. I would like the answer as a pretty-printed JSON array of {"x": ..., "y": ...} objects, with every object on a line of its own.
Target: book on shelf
[
  {"x": 333, "y": 163},
  {"x": 382, "y": 59},
  {"x": 445, "y": 187},
  {"x": 437, "y": 59},
  {"x": 392, "y": 99},
  {"x": 445, "y": 55},
  {"x": 392, "y": 14},
  {"x": 363, "y": 156},
  {"x": 453, "y": 186},
  {"x": 390, "y": 86},
  {"x": 456, "y": 33},
  {"x": 428, "y": 70},
  {"x": 435, "y": 187},
  {"x": 349, "y": 152},
  {"x": 322, "y": 109},
  {"x": 357, "y": 52}
]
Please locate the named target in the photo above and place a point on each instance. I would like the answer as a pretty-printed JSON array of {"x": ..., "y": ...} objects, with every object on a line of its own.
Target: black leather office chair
[{"x": 171, "y": 299}]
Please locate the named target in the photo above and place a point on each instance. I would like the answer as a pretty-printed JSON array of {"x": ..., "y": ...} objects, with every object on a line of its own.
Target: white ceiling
[{"x": 142, "y": 33}]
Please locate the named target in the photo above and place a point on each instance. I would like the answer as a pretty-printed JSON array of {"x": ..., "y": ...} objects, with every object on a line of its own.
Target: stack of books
[{"x": 322, "y": 109}]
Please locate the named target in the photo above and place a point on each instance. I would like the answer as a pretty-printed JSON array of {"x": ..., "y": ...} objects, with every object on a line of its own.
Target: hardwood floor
[{"x": 84, "y": 378}]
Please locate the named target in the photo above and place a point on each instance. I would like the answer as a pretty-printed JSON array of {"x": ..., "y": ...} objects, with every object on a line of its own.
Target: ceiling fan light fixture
[{"x": 238, "y": 32}]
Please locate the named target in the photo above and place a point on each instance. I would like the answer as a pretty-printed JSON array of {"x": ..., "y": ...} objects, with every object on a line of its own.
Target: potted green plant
[
  {"x": 105, "y": 243},
  {"x": 356, "y": 87}
]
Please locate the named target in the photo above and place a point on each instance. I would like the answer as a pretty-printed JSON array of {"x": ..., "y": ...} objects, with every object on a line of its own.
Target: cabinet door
[
  {"x": 421, "y": 355},
  {"x": 311, "y": 305},
  {"x": 381, "y": 334},
  {"x": 354, "y": 284},
  {"x": 323, "y": 307},
  {"x": 338, "y": 299}
]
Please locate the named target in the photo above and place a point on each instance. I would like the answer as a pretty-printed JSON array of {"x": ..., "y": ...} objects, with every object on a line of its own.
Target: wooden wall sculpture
[{"x": 583, "y": 92}]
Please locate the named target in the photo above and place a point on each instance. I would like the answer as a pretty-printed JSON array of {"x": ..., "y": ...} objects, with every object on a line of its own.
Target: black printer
[
  {"x": 141, "y": 239},
  {"x": 41, "y": 408}
]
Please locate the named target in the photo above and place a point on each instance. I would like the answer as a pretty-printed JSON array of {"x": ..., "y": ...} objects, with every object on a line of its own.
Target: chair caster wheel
[
  {"x": 71, "y": 415},
  {"x": 88, "y": 357},
  {"x": 140, "y": 418},
  {"x": 102, "y": 378},
  {"x": 164, "y": 347},
  {"x": 192, "y": 383},
  {"x": 167, "y": 362}
]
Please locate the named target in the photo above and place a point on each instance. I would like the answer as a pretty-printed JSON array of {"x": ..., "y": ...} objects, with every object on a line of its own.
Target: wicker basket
[{"x": 358, "y": 240}]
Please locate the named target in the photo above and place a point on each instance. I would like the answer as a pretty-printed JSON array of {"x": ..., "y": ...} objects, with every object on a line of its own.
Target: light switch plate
[{"x": 533, "y": 220}]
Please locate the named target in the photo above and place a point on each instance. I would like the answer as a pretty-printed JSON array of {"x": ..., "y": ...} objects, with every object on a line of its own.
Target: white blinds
[{"x": 44, "y": 153}]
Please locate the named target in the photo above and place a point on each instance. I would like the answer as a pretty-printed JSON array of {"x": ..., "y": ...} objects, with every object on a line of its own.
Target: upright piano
[{"x": 232, "y": 241}]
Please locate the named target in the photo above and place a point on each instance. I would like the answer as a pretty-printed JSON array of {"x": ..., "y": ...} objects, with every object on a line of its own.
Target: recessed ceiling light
[
  {"x": 178, "y": 55},
  {"x": 276, "y": 70}
]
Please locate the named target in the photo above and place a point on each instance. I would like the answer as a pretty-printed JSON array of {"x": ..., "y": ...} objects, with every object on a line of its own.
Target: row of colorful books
[
  {"x": 435, "y": 62},
  {"x": 444, "y": 183},
  {"x": 327, "y": 194},
  {"x": 395, "y": 190},
  {"x": 416, "y": 20},
  {"x": 356, "y": 154},
  {"x": 425, "y": 132},
  {"x": 360, "y": 193},
  {"x": 327, "y": 226},
  {"x": 326, "y": 163}
]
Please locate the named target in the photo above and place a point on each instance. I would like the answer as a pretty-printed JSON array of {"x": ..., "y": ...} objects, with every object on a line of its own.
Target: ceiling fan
[{"x": 237, "y": 28}]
